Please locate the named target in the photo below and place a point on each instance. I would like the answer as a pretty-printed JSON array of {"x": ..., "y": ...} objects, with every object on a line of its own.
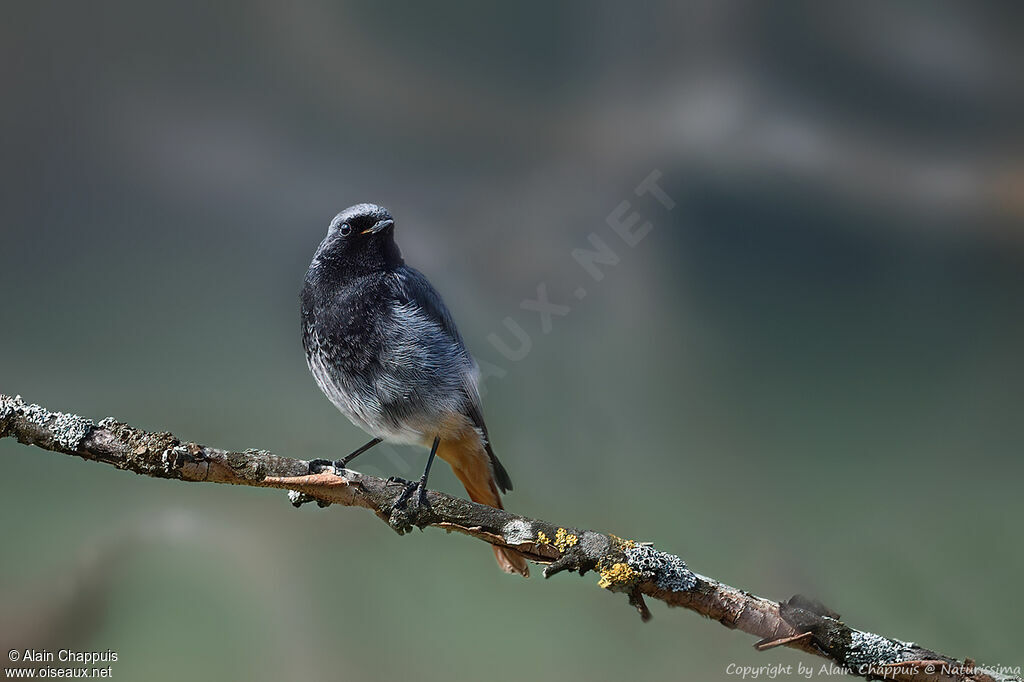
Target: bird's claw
[
  {"x": 410, "y": 487},
  {"x": 318, "y": 465},
  {"x": 403, "y": 516}
]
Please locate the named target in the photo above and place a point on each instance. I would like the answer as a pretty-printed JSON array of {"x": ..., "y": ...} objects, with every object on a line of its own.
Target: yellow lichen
[
  {"x": 621, "y": 542},
  {"x": 542, "y": 539},
  {"x": 564, "y": 539},
  {"x": 618, "y": 575}
]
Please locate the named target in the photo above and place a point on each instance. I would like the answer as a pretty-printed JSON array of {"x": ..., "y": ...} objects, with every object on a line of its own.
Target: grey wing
[
  {"x": 428, "y": 370},
  {"x": 419, "y": 291},
  {"x": 416, "y": 288}
]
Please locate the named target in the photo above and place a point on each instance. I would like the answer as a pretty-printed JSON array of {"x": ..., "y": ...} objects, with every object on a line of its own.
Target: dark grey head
[{"x": 360, "y": 239}]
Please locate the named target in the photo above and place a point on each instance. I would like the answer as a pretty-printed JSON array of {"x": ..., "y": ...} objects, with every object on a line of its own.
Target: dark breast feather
[{"x": 345, "y": 326}]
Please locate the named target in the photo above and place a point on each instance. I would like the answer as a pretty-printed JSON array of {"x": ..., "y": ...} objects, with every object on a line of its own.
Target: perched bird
[{"x": 384, "y": 349}]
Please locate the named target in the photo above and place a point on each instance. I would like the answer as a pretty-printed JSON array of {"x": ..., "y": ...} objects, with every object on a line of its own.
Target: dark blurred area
[{"x": 807, "y": 377}]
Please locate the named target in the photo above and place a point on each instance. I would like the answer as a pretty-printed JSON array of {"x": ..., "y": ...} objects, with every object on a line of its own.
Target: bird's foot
[
  {"x": 410, "y": 487},
  {"x": 318, "y": 465},
  {"x": 404, "y": 516}
]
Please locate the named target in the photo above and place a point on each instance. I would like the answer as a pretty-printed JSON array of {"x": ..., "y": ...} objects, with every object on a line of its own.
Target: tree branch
[{"x": 635, "y": 569}]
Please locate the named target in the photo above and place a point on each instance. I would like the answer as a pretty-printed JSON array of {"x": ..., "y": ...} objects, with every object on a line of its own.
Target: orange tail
[{"x": 472, "y": 466}]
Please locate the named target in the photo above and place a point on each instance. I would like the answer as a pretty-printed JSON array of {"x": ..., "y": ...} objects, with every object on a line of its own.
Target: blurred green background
[{"x": 807, "y": 378}]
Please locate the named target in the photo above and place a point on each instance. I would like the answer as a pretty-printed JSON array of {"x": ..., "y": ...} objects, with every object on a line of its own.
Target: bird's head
[{"x": 360, "y": 239}]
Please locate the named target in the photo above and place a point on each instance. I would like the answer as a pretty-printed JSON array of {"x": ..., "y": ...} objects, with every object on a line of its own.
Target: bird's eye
[{"x": 345, "y": 229}]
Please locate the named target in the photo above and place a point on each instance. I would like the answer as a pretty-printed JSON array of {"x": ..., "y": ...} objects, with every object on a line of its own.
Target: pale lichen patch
[
  {"x": 630, "y": 563},
  {"x": 68, "y": 429},
  {"x": 518, "y": 532},
  {"x": 165, "y": 461},
  {"x": 867, "y": 648},
  {"x": 7, "y": 405},
  {"x": 668, "y": 571}
]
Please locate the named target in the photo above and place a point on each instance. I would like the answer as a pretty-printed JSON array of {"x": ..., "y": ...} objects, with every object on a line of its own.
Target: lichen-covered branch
[{"x": 633, "y": 568}]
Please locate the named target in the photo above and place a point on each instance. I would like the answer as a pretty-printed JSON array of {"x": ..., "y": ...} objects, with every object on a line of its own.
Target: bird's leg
[
  {"x": 421, "y": 485},
  {"x": 343, "y": 462},
  {"x": 315, "y": 465}
]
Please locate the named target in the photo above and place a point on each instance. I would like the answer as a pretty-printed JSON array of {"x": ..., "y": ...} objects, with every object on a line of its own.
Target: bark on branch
[{"x": 633, "y": 568}]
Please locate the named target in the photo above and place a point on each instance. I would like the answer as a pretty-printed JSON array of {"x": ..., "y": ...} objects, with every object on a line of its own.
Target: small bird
[{"x": 384, "y": 349}]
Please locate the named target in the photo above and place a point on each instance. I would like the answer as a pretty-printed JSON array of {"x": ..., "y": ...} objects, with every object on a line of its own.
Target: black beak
[{"x": 380, "y": 226}]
